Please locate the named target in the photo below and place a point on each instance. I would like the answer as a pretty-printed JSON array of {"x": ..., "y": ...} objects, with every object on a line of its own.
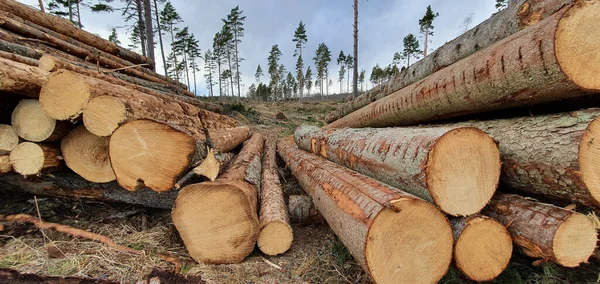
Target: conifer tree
[
  {"x": 300, "y": 39},
  {"x": 426, "y": 24}
]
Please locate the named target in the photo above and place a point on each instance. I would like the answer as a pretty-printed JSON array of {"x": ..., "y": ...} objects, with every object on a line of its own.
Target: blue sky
[{"x": 382, "y": 26}]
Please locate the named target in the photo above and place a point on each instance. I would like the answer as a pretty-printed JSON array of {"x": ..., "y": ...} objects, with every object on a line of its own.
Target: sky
[{"x": 382, "y": 26}]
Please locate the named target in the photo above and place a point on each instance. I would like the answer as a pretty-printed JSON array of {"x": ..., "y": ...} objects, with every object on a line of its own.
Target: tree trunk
[
  {"x": 65, "y": 95},
  {"x": 194, "y": 72},
  {"x": 375, "y": 221},
  {"x": 79, "y": 15},
  {"x": 66, "y": 28},
  {"x": 275, "y": 232},
  {"x": 18, "y": 58},
  {"x": 141, "y": 26},
  {"x": 455, "y": 168},
  {"x": 482, "y": 247},
  {"x": 69, "y": 185},
  {"x": 237, "y": 64},
  {"x": 230, "y": 73},
  {"x": 41, "y": 2},
  {"x": 501, "y": 25},
  {"x": 219, "y": 70},
  {"x": 149, "y": 31},
  {"x": 9, "y": 139},
  {"x": 533, "y": 66},
  {"x": 227, "y": 139},
  {"x": 302, "y": 210},
  {"x": 426, "y": 42},
  {"x": 187, "y": 73},
  {"x": 71, "y": 46},
  {"x": 70, "y": 4},
  {"x": 160, "y": 39},
  {"x": 21, "y": 79},
  {"x": 52, "y": 64},
  {"x": 545, "y": 231},
  {"x": 87, "y": 155},
  {"x": 5, "y": 164},
  {"x": 30, "y": 158},
  {"x": 174, "y": 54},
  {"x": 17, "y": 49},
  {"x": 222, "y": 214},
  {"x": 32, "y": 124}
]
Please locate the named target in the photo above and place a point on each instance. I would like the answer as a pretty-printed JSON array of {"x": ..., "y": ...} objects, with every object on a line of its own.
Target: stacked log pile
[
  {"x": 97, "y": 117},
  {"x": 532, "y": 53}
]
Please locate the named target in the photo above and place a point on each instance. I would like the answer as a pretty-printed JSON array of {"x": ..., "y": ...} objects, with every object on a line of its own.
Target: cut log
[
  {"x": 456, "y": 168},
  {"x": 66, "y": 94},
  {"x": 5, "y": 164},
  {"x": 15, "y": 48},
  {"x": 18, "y": 58},
  {"x": 545, "y": 231},
  {"x": 31, "y": 159},
  {"x": 87, "y": 155},
  {"x": 22, "y": 79},
  {"x": 552, "y": 155},
  {"x": 65, "y": 27},
  {"x": 103, "y": 115},
  {"x": 482, "y": 247},
  {"x": 536, "y": 65},
  {"x": 69, "y": 185},
  {"x": 302, "y": 210},
  {"x": 275, "y": 232},
  {"x": 391, "y": 234},
  {"x": 218, "y": 221},
  {"x": 33, "y": 124},
  {"x": 499, "y": 26},
  {"x": 211, "y": 167},
  {"x": 225, "y": 140},
  {"x": 8, "y": 138}
]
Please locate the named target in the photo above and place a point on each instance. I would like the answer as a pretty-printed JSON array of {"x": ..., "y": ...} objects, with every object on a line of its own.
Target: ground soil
[{"x": 316, "y": 256}]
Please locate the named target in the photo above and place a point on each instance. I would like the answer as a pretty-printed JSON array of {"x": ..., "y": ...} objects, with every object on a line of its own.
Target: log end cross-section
[
  {"x": 64, "y": 95},
  {"x": 8, "y": 138},
  {"x": 103, "y": 115},
  {"x": 589, "y": 159},
  {"x": 87, "y": 155},
  {"x": 144, "y": 152}
]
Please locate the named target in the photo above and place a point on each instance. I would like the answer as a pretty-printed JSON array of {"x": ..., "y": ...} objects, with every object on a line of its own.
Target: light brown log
[
  {"x": 218, "y": 221},
  {"x": 8, "y": 138},
  {"x": 33, "y": 124},
  {"x": 457, "y": 168},
  {"x": 18, "y": 58},
  {"x": 65, "y": 95},
  {"x": 52, "y": 63},
  {"x": 213, "y": 165},
  {"x": 553, "y": 155},
  {"x": 67, "y": 28},
  {"x": 275, "y": 232},
  {"x": 393, "y": 235},
  {"x": 545, "y": 231},
  {"x": 482, "y": 247},
  {"x": 302, "y": 210},
  {"x": 499, "y": 26},
  {"x": 31, "y": 159},
  {"x": 69, "y": 185},
  {"x": 87, "y": 155},
  {"x": 22, "y": 79},
  {"x": 5, "y": 164},
  {"x": 542, "y": 63},
  {"x": 225, "y": 140}
]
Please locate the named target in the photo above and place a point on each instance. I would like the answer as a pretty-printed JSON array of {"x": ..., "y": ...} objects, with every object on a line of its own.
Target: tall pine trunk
[
  {"x": 219, "y": 70},
  {"x": 185, "y": 63},
  {"x": 160, "y": 40},
  {"x": 42, "y": 6},
  {"x": 149, "y": 30},
  {"x": 174, "y": 54},
  {"x": 230, "y": 71},
  {"x": 426, "y": 42},
  {"x": 79, "y": 14},
  {"x": 141, "y": 26},
  {"x": 194, "y": 72},
  {"x": 237, "y": 62},
  {"x": 355, "y": 75},
  {"x": 70, "y": 11}
]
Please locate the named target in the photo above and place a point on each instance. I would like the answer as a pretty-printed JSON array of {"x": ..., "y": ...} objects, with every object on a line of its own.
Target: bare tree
[{"x": 355, "y": 75}]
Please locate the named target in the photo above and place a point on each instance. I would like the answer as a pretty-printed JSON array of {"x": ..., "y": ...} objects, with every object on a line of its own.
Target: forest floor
[{"x": 316, "y": 256}]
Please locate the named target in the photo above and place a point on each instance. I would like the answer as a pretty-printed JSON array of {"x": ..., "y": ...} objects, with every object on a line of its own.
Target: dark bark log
[
  {"x": 18, "y": 58},
  {"x": 375, "y": 221},
  {"x": 501, "y": 25},
  {"x": 302, "y": 210},
  {"x": 22, "y": 79}
]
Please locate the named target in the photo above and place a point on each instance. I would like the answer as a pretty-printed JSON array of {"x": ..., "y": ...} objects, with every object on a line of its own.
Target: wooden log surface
[
  {"x": 482, "y": 247},
  {"x": 18, "y": 58},
  {"x": 275, "y": 232},
  {"x": 87, "y": 155},
  {"x": 375, "y": 221},
  {"x": 535, "y": 65},
  {"x": 9, "y": 138},
  {"x": 455, "y": 168},
  {"x": 67, "y": 28},
  {"x": 29, "y": 158},
  {"x": 544, "y": 231},
  {"x": 302, "y": 210},
  {"x": 5, "y": 164},
  {"x": 22, "y": 79},
  {"x": 33, "y": 124},
  {"x": 514, "y": 18},
  {"x": 223, "y": 214}
]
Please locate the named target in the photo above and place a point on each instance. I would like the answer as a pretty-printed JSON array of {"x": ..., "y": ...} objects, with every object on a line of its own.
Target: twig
[
  {"x": 271, "y": 264},
  {"x": 125, "y": 68},
  {"x": 24, "y": 218}
]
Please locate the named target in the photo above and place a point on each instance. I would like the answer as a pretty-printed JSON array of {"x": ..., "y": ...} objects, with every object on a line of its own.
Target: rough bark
[
  {"x": 18, "y": 49},
  {"x": 375, "y": 221},
  {"x": 32, "y": 159},
  {"x": 9, "y": 138},
  {"x": 87, "y": 155},
  {"x": 545, "y": 231},
  {"x": 501, "y": 25},
  {"x": 275, "y": 232},
  {"x": 225, "y": 140},
  {"x": 22, "y": 79},
  {"x": 67, "y": 28},
  {"x": 551, "y": 155},
  {"x": 482, "y": 247},
  {"x": 223, "y": 214},
  {"x": 80, "y": 50},
  {"x": 302, "y": 210},
  {"x": 32, "y": 124},
  {"x": 5, "y": 164},
  {"x": 18, "y": 58},
  {"x": 422, "y": 161},
  {"x": 69, "y": 185}
]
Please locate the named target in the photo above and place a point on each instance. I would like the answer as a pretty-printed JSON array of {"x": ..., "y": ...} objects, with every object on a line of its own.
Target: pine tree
[
  {"x": 397, "y": 60},
  {"x": 114, "y": 37},
  {"x": 259, "y": 73},
  {"x": 501, "y": 4},
  {"x": 235, "y": 21},
  {"x": 289, "y": 84},
  {"x": 228, "y": 49},
  {"x": 169, "y": 18},
  {"x": 411, "y": 48},
  {"x": 66, "y": 9},
  {"x": 194, "y": 53},
  {"x": 308, "y": 80},
  {"x": 134, "y": 38},
  {"x": 180, "y": 48},
  {"x": 282, "y": 83},
  {"x": 273, "y": 63},
  {"x": 341, "y": 61},
  {"x": 160, "y": 34},
  {"x": 219, "y": 51},
  {"x": 322, "y": 59},
  {"x": 361, "y": 79},
  {"x": 426, "y": 24},
  {"x": 209, "y": 71},
  {"x": 349, "y": 66},
  {"x": 300, "y": 39}
]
